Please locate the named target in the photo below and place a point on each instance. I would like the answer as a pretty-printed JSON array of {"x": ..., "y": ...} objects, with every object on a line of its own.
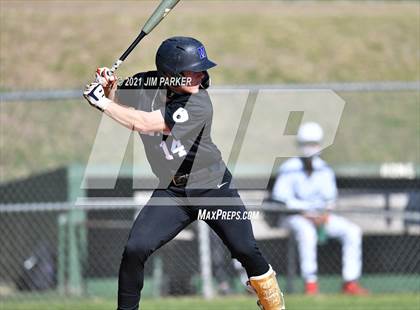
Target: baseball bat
[{"x": 160, "y": 13}]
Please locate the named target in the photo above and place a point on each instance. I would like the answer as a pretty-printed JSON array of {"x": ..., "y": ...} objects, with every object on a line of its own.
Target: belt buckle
[{"x": 180, "y": 180}]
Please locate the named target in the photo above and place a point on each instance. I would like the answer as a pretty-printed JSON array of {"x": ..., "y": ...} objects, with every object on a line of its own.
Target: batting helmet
[{"x": 178, "y": 54}]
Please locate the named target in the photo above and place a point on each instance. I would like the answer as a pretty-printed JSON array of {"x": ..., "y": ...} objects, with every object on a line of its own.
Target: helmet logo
[
  {"x": 202, "y": 52},
  {"x": 180, "y": 115}
]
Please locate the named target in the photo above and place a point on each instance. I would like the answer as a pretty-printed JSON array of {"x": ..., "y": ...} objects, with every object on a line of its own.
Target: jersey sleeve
[
  {"x": 329, "y": 190},
  {"x": 283, "y": 192},
  {"x": 188, "y": 117}
]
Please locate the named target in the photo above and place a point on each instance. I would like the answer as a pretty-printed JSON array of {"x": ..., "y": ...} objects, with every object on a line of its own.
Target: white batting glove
[
  {"x": 104, "y": 76},
  {"x": 94, "y": 94}
]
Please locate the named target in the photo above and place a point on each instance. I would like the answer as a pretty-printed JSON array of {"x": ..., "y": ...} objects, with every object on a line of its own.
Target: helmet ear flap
[{"x": 206, "y": 81}]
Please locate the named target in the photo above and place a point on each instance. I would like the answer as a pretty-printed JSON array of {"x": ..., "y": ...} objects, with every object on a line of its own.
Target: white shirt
[{"x": 297, "y": 190}]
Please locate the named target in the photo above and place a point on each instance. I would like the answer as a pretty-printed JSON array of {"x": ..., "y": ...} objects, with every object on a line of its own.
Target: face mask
[{"x": 309, "y": 150}]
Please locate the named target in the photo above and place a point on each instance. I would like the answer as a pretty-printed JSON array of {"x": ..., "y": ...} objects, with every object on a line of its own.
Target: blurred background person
[{"x": 307, "y": 185}]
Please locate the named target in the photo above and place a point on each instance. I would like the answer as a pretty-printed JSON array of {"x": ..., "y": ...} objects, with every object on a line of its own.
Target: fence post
[
  {"x": 291, "y": 262},
  {"x": 157, "y": 276},
  {"x": 76, "y": 237},
  {"x": 205, "y": 260},
  {"x": 61, "y": 256}
]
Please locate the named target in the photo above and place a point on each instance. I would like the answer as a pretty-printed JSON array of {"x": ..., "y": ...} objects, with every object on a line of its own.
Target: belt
[{"x": 181, "y": 180}]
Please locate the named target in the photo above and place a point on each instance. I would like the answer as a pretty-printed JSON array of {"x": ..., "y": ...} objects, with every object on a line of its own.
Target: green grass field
[
  {"x": 293, "y": 302},
  {"x": 61, "y": 45}
]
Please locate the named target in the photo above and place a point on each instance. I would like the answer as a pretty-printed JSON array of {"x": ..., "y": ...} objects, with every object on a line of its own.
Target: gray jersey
[{"x": 188, "y": 147}]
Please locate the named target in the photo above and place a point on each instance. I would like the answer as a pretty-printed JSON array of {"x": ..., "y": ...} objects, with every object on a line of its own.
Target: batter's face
[{"x": 194, "y": 86}]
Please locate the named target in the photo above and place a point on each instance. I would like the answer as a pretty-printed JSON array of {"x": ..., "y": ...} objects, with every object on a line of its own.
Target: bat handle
[{"x": 115, "y": 66}]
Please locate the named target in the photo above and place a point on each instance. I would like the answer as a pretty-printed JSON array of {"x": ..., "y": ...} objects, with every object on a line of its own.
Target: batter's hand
[
  {"x": 95, "y": 96},
  {"x": 104, "y": 76},
  {"x": 108, "y": 80}
]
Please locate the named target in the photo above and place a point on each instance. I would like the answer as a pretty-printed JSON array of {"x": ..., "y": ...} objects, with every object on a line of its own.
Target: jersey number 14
[{"x": 176, "y": 148}]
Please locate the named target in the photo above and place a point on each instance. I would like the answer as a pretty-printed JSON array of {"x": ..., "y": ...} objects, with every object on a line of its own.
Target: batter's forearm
[
  {"x": 130, "y": 118},
  {"x": 126, "y": 116}
]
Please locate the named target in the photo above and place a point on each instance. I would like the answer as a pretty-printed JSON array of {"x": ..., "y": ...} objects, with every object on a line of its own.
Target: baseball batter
[{"x": 173, "y": 115}]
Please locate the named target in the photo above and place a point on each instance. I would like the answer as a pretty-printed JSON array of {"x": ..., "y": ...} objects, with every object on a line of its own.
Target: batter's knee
[{"x": 138, "y": 249}]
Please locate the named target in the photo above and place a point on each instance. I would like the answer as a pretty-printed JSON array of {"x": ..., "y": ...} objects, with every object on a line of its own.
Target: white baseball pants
[{"x": 338, "y": 227}]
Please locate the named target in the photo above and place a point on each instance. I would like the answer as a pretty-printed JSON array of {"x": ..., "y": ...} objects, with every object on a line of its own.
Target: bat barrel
[{"x": 160, "y": 13}]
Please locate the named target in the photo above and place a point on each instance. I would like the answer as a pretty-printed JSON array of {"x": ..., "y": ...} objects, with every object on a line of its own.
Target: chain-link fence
[
  {"x": 60, "y": 248},
  {"x": 55, "y": 244}
]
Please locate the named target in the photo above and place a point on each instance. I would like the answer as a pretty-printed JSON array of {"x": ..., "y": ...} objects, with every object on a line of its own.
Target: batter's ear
[{"x": 206, "y": 81}]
